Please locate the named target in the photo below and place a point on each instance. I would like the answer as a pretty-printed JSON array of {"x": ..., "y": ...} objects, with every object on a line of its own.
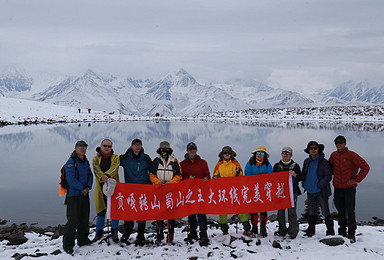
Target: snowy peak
[
  {"x": 12, "y": 81},
  {"x": 179, "y": 94},
  {"x": 359, "y": 91},
  {"x": 184, "y": 79}
]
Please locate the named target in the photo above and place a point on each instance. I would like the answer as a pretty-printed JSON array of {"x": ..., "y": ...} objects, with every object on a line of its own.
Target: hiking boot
[
  {"x": 224, "y": 228},
  {"x": 69, "y": 251},
  {"x": 248, "y": 234},
  {"x": 329, "y": 224},
  {"x": 311, "y": 226},
  {"x": 98, "y": 236},
  {"x": 352, "y": 238},
  {"x": 160, "y": 231},
  {"x": 140, "y": 240},
  {"x": 115, "y": 238},
  {"x": 191, "y": 236},
  {"x": 204, "y": 241},
  {"x": 124, "y": 239},
  {"x": 255, "y": 230},
  {"x": 279, "y": 233},
  {"x": 342, "y": 232},
  {"x": 263, "y": 232},
  {"x": 85, "y": 242}
]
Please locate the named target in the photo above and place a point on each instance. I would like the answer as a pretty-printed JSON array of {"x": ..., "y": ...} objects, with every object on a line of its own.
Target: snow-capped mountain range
[{"x": 176, "y": 94}]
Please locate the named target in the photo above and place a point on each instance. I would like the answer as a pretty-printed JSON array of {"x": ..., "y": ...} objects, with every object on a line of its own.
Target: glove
[{"x": 163, "y": 182}]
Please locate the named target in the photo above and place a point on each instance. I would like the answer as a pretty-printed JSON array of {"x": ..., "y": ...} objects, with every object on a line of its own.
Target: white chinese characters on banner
[{"x": 189, "y": 198}]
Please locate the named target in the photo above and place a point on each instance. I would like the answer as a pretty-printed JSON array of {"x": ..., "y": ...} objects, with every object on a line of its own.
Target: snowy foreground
[{"x": 369, "y": 245}]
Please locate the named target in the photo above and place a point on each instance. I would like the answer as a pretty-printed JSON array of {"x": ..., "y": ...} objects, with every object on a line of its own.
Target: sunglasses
[
  {"x": 83, "y": 147},
  {"x": 107, "y": 146},
  {"x": 260, "y": 153},
  {"x": 227, "y": 152},
  {"x": 313, "y": 148},
  {"x": 339, "y": 142},
  {"x": 191, "y": 148},
  {"x": 286, "y": 152}
]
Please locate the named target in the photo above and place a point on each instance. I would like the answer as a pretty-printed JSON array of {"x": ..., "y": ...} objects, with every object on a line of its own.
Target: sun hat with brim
[
  {"x": 261, "y": 148},
  {"x": 229, "y": 149},
  {"x": 311, "y": 143},
  {"x": 164, "y": 145},
  {"x": 109, "y": 187}
]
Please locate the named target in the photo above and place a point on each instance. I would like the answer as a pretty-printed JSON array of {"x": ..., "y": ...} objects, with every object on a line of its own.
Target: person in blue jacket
[
  {"x": 80, "y": 180},
  {"x": 317, "y": 175},
  {"x": 136, "y": 165},
  {"x": 259, "y": 164}
]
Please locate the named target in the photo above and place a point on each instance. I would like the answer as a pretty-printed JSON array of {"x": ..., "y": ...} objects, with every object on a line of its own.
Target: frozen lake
[{"x": 32, "y": 157}]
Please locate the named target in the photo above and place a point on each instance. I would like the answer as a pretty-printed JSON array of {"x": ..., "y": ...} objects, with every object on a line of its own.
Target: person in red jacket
[
  {"x": 195, "y": 167},
  {"x": 349, "y": 169}
]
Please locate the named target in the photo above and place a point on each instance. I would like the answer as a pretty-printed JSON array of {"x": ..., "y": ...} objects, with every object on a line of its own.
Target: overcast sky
[{"x": 289, "y": 43}]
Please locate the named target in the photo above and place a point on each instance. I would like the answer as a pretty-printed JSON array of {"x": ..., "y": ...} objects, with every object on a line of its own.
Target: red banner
[{"x": 231, "y": 195}]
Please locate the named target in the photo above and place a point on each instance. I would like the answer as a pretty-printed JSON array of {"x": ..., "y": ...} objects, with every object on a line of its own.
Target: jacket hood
[
  {"x": 98, "y": 150},
  {"x": 74, "y": 156},
  {"x": 130, "y": 151},
  {"x": 186, "y": 157}
]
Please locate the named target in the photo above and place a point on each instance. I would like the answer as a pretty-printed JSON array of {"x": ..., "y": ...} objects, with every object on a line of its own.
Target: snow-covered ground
[
  {"x": 369, "y": 245},
  {"x": 21, "y": 111}
]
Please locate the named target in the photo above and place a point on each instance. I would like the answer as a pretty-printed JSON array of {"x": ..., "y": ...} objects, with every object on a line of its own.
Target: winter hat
[
  {"x": 191, "y": 144},
  {"x": 137, "y": 140},
  {"x": 225, "y": 149},
  {"x": 261, "y": 148},
  {"x": 81, "y": 142},
  {"x": 109, "y": 187},
  {"x": 320, "y": 146},
  {"x": 340, "y": 138},
  {"x": 164, "y": 145},
  {"x": 287, "y": 149}
]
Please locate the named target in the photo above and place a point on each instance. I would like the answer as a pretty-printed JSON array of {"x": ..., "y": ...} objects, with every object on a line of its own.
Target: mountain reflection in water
[{"x": 32, "y": 156}]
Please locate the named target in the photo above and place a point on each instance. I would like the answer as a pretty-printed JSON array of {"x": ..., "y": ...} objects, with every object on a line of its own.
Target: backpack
[{"x": 63, "y": 184}]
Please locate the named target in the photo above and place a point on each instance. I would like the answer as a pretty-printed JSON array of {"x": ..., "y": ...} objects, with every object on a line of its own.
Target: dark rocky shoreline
[{"x": 15, "y": 234}]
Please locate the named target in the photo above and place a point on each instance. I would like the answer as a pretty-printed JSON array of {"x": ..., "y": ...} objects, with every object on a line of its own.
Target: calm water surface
[{"x": 32, "y": 157}]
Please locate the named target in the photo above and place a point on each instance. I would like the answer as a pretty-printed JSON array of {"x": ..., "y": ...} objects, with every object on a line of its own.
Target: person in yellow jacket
[
  {"x": 228, "y": 166},
  {"x": 105, "y": 165}
]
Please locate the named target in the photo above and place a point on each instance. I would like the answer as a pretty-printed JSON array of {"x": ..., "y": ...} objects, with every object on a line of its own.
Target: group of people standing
[{"x": 347, "y": 168}]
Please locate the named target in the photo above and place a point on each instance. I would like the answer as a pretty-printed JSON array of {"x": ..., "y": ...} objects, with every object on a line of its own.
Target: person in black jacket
[
  {"x": 287, "y": 164},
  {"x": 317, "y": 175}
]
